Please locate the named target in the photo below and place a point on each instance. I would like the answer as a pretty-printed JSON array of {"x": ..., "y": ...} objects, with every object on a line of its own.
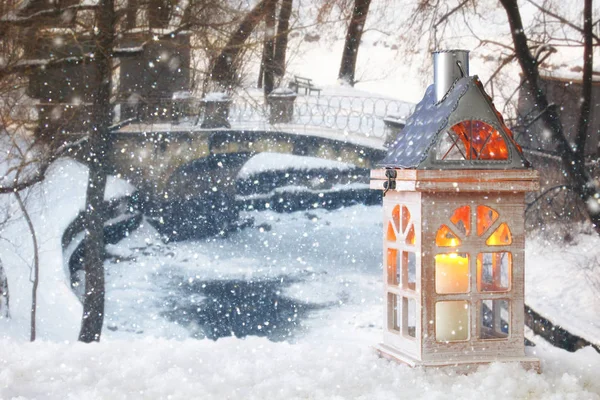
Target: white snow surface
[
  {"x": 255, "y": 368},
  {"x": 563, "y": 284},
  {"x": 216, "y": 96},
  {"x": 280, "y": 162}
]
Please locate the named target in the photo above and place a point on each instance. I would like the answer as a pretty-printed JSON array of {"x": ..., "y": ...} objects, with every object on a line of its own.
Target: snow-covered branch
[{"x": 18, "y": 20}]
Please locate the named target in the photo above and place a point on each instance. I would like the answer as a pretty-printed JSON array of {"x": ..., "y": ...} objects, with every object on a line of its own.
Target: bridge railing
[{"x": 350, "y": 115}]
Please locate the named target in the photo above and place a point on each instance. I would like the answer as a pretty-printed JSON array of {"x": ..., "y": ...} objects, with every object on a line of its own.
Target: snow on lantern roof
[{"x": 461, "y": 130}]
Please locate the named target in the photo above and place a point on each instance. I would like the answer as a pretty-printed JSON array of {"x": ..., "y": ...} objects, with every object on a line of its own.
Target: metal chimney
[{"x": 448, "y": 66}]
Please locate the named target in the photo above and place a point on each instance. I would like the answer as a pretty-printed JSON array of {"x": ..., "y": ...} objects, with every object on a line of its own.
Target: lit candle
[
  {"x": 452, "y": 273},
  {"x": 451, "y": 317}
]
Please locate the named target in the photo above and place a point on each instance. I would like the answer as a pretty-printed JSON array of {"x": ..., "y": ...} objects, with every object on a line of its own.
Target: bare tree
[
  {"x": 530, "y": 46},
  {"x": 226, "y": 64},
  {"x": 352, "y": 43},
  {"x": 266, "y": 74},
  {"x": 4, "y": 294},
  {"x": 281, "y": 40},
  {"x": 93, "y": 260},
  {"x": 99, "y": 38},
  {"x": 36, "y": 264},
  {"x": 572, "y": 155}
]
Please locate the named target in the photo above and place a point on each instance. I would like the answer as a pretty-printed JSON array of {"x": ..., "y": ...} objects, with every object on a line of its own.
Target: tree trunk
[
  {"x": 36, "y": 266},
  {"x": 4, "y": 295},
  {"x": 93, "y": 304},
  {"x": 268, "y": 47},
  {"x": 573, "y": 161},
  {"x": 353, "y": 36},
  {"x": 131, "y": 13},
  {"x": 223, "y": 70},
  {"x": 281, "y": 41},
  {"x": 586, "y": 84},
  {"x": 261, "y": 73}
]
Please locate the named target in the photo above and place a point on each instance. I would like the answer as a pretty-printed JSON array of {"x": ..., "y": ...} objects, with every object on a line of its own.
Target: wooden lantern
[{"x": 453, "y": 229}]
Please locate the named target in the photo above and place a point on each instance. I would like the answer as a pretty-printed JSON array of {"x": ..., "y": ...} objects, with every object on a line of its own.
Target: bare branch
[
  {"x": 13, "y": 20},
  {"x": 36, "y": 264},
  {"x": 545, "y": 192},
  {"x": 449, "y": 13},
  {"x": 562, "y": 20},
  {"x": 25, "y": 66},
  {"x": 573, "y": 165},
  {"x": 18, "y": 184}
]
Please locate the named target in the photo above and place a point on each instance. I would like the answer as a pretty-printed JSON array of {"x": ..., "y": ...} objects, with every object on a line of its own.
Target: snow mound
[
  {"x": 258, "y": 369},
  {"x": 281, "y": 162}
]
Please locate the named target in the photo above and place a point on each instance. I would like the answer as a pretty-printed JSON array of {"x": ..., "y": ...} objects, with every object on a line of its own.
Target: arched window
[{"x": 472, "y": 140}]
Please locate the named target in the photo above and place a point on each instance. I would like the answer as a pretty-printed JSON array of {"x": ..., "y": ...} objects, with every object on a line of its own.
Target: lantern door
[
  {"x": 402, "y": 271},
  {"x": 473, "y": 271}
]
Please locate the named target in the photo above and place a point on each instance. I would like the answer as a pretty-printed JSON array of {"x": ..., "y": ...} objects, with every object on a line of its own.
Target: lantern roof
[{"x": 461, "y": 131}]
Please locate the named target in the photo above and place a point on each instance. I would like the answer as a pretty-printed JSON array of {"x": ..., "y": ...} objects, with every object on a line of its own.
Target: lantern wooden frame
[{"x": 431, "y": 196}]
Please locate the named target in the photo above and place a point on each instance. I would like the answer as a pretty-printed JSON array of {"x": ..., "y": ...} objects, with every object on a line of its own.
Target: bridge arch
[{"x": 190, "y": 175}]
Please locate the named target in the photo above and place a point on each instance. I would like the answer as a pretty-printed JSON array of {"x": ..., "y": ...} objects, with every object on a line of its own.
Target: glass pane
[
  {"x": 393, "y": 312},
  {"x": 450, "y": 147},
  {"x": 451, "y": 321},
  {"x": 486, "y": 216},
  {"x": 501, "y": 236},
  {"x": 396, "y": 218},
  {"x": 410, "y": 266},
  {"x": 410, "y": 317},
  {"x": 405, "y": 218},
  {"x": 472, "y": 140},
  {"x": 494, "y": 320},
  {"x": 410, "y": 237},
  {"x": 446, "y": 238},
  {"x": 398, "y": 274},
  {"x": 452, "y": 273},
  {"x": 494, "y": 271},
  {"x": 391, "y": 235},
  {"x": 482, "y": 141},
  {"x": 462, "y": 220},
  {"x": 392, "y": 266}
]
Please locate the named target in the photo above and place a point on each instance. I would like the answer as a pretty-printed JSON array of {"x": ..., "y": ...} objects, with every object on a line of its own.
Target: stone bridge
[
  {"x": 154, "y": 156},
  {"x": 189, "y": 170}
]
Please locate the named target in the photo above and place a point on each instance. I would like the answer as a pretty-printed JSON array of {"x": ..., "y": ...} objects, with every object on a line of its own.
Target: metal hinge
[{"x": 391, "y": 183}]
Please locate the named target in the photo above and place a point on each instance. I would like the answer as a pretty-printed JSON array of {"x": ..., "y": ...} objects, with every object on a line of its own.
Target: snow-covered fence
[{"x": 349, "y": 115}]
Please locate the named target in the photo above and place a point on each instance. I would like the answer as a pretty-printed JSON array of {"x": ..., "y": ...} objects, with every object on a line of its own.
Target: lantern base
[{"x": 460, "y": 366}]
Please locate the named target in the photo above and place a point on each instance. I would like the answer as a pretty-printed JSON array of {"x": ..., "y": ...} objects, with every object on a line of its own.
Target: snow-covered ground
[
  {"x": 256, "y": 368},
  {"x": 330, "y": 357},
  {"x": 323, "y": 266},
  {"x": 321, "y": 271}
]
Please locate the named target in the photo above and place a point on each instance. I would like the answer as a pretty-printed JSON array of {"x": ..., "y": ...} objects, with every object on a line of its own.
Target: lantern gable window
[{"x": 472, "y": 141}]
